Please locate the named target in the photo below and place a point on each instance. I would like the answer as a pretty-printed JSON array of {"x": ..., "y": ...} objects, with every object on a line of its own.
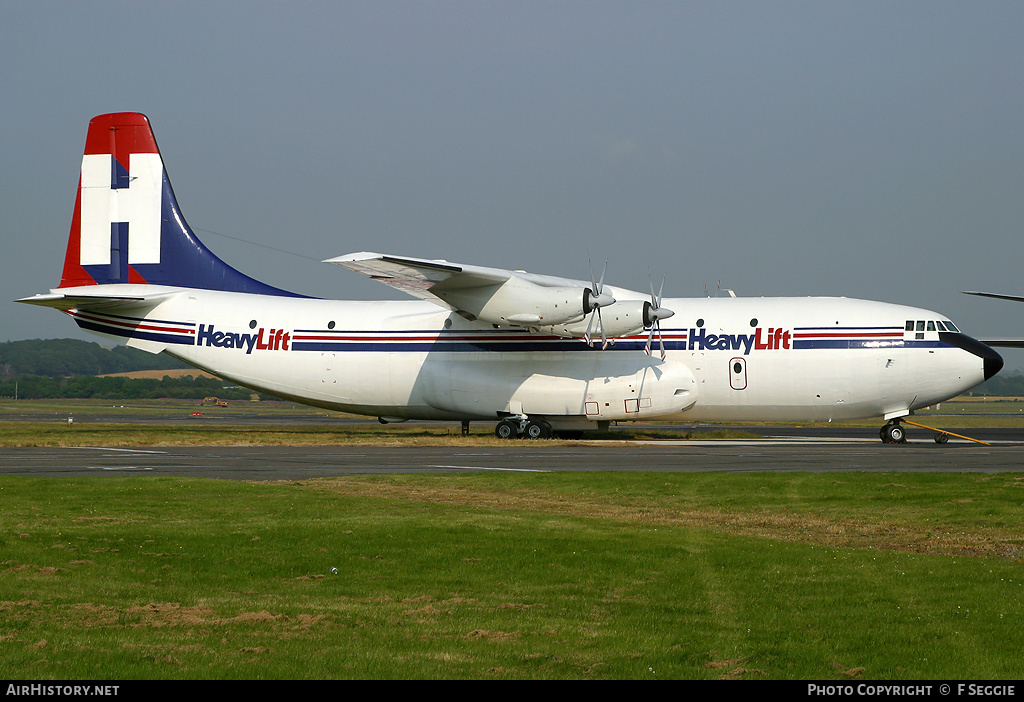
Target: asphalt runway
[
  {"x": 781, "y": 449},
  {"x": 809, "y": 451}
]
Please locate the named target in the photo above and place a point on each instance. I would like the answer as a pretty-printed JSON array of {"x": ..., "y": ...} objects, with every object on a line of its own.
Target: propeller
[
  {"x": 653, "y": 314},
  {"x": 593, "y": 300}
]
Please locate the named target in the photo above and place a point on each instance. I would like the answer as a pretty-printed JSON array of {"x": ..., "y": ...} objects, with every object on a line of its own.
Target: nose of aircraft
[{"x": 992, "y": 361}]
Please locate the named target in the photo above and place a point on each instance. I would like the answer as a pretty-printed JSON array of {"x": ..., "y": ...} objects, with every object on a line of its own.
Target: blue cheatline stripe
[
  {"x": 848, "y": 329},
  {"x": 188, "y": 340},
  {"x": 444, "y": 341},
  {"x": 138, "y": 320},
  {"x": 805, "y": 344}
]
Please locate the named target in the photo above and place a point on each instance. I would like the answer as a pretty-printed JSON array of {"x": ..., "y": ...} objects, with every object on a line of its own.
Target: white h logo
[{"x": 138, "y": 205}]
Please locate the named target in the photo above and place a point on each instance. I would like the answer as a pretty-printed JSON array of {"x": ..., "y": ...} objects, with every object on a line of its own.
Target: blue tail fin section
[{"x": 127, "y": 227}]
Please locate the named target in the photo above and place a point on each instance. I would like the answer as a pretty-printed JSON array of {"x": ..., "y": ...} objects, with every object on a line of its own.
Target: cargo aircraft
[{"x": 536, "y": 355}]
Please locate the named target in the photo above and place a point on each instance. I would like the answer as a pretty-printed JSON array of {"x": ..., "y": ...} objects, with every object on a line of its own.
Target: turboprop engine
[
  {"x": 522, "y": 303},
  {"x": 624, "y": 318}
]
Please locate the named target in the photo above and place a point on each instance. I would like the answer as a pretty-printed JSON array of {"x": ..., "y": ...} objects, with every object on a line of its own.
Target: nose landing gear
[{"x": 894, "y": 433}]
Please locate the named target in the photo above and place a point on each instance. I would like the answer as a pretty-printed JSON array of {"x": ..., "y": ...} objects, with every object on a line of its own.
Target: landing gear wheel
[
  {"x": 537, "y": 430},
  {"x": 941, "y": 438},
  {"x": 893, "y": 433},
  {"x": 507, "y": 429}
]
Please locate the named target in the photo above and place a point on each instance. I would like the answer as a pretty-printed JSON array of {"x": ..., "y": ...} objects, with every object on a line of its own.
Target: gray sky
[{"x": 865, "y": 149}]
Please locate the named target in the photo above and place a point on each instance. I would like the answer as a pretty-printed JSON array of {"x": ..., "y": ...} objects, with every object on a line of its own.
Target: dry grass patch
[{"x": 798, "y": 526}]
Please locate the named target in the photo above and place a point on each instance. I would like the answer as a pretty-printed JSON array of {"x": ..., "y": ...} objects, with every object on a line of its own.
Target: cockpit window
[
  {"x": 910, "y": 325},
  {"x": 941, "y": 326},
  {"x": 931, "y": 326},
  {"x": 950, "y": 326},
  {"x": 920, "y": 325}
]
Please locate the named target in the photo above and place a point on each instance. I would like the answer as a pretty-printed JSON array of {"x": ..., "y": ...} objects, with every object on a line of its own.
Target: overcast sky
[{"x": 864, "y": 149}]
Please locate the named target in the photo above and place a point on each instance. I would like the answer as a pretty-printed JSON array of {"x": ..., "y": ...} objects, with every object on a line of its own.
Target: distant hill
[
  {"x": 58, "y": 358},
  {"x": 1004, "y": 384}
]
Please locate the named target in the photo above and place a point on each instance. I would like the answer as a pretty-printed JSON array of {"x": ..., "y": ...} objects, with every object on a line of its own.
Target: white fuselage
[
  {"x": 482, "y": 343},
  {"x": 797, "y": 359}
]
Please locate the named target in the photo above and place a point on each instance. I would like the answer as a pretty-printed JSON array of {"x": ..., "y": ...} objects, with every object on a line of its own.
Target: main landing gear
[{"x": 521, "y": 427}]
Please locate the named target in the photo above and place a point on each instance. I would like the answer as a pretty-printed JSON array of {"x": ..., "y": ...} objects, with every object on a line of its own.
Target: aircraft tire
[
  {"x": 507, "y": 429},
  {"x": 893, "y": 433},
  {"x": 537, "y": 430}
]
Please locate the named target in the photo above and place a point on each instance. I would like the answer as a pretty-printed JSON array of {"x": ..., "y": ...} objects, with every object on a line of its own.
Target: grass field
[
  {"x": 598, "y": 575},
  {"x": 852, "y": 576}
]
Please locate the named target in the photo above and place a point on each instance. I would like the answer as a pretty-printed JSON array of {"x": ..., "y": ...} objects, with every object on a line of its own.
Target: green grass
[{"x": 561, "y": 575}]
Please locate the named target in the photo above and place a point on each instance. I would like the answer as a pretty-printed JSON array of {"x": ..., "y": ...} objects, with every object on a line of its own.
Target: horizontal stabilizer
[{"x": 61, "y": 301}]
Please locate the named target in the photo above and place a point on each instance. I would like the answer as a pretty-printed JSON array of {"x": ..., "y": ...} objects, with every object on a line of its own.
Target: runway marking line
[
  {"x": 512, "y": 470},
  {"x": 111, "y": 448}
]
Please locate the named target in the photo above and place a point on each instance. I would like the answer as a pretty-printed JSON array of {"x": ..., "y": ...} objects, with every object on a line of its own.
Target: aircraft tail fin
[{"x": 127, "y": 227}]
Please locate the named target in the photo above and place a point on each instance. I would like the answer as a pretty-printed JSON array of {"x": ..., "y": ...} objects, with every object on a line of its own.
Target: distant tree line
[
  {"x": 1011, "y": 384},
  {"x": 68, "y": 368},
  {"x": 37, "y": 387},
  {"x": 66, "y": 357}
]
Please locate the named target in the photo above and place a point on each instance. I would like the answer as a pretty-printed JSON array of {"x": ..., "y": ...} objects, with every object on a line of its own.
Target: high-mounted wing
[
  {"x": 476, "y": 292},
  {"x": 1015, "y": 298},
  {"x": 416, "y": 276},
  {"x": 1004, "y": 343}
]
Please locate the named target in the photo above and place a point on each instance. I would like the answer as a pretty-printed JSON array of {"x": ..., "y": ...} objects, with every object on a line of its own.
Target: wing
[
  {"x": 421, "y": 277},
  {"x": 1015, "y": 298},
  {"x": 417, "y": 276},
  {"x": 476, "y": 292},
  {"x": 1004, "y": 343}
]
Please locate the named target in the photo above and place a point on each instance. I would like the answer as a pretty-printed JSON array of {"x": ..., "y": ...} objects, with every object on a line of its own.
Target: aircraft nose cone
[{"x": 993, "y": 363}]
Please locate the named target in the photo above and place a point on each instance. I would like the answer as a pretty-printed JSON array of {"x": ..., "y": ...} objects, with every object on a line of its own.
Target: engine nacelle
[
  {"x": 624, "y": 318},
  {"x": 519, "y": 302}
]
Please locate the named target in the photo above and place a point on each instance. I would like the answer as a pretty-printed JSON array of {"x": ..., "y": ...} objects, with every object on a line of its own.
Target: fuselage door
[{"x": 738, "y": 373}]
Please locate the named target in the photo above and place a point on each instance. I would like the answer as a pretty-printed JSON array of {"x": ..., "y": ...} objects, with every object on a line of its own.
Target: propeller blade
[
  {"x": 593, "y": 300},
  {"x": 655, "y": 300},
  {"x": 594, "y": 296},
  {"x": 655, "y": 312}
]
